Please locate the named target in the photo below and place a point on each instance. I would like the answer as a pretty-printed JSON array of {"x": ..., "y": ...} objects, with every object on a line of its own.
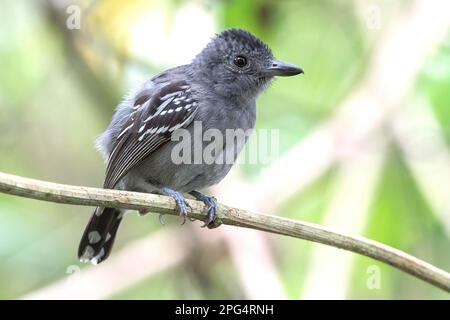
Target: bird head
[{"x": 236, "y": 63}]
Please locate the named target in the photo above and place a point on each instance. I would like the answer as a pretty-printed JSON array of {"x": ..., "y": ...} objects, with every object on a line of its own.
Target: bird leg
[
  {"x": 211, "y": 202},
  {"x": 182, "y": 203}
]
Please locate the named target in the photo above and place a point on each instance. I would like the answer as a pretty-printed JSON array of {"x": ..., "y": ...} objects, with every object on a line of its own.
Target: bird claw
[
  {"x": 212, "y": 212},
  {"x": 211, "y": 203},
  {"x": 161, "y": 219},
  {"x": 182, "y": 203}
]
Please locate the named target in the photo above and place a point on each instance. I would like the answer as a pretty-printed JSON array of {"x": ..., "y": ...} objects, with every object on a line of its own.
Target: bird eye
[{"x": 240, "y": 61}]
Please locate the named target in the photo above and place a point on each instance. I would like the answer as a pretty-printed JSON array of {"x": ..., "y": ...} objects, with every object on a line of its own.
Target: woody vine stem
[{"x": 78, "y": 195}]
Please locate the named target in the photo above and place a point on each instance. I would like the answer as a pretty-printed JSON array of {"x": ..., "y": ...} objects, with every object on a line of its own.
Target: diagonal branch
[{"x": 76, "y": 195}]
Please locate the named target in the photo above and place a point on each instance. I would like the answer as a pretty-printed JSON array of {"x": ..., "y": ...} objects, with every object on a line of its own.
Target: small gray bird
[{"x": 218, "y": 89}]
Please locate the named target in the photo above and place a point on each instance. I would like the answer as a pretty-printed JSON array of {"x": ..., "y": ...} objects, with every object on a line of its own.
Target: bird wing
[{"x": 157, "y": 113}]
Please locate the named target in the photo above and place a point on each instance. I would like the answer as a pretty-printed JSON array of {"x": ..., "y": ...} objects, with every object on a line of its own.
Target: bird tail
[{"x": 98, "y": 237}]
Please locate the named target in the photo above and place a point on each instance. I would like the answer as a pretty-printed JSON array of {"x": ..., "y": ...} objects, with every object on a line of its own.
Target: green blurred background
[{"x": 366, "y": 134}]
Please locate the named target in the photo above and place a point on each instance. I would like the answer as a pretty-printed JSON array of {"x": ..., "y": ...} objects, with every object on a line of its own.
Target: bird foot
[
  {"x": 182, "y": 203},
  {"x": 211, "y": 203}
]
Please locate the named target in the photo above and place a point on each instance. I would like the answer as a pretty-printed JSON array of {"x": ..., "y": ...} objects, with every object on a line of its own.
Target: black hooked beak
[{"x": 282, "y": 69}]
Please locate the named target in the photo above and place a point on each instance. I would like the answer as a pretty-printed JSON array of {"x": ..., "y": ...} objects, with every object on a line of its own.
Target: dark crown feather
[{"x": 244, "y": 38}]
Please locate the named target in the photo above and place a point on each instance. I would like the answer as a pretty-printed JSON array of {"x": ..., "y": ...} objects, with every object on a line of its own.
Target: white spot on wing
[
  {"x": 170, "y": 95},
  {"x": 125, "y": 130},
  {"x": 162, "y": 129},
  {"x": 160, "y": 108}
]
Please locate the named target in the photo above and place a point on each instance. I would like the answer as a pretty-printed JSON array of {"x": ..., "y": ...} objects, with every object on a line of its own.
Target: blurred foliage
[
  {"x": 59, "y": 87},
  {"x": 434, "y": 83}
]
